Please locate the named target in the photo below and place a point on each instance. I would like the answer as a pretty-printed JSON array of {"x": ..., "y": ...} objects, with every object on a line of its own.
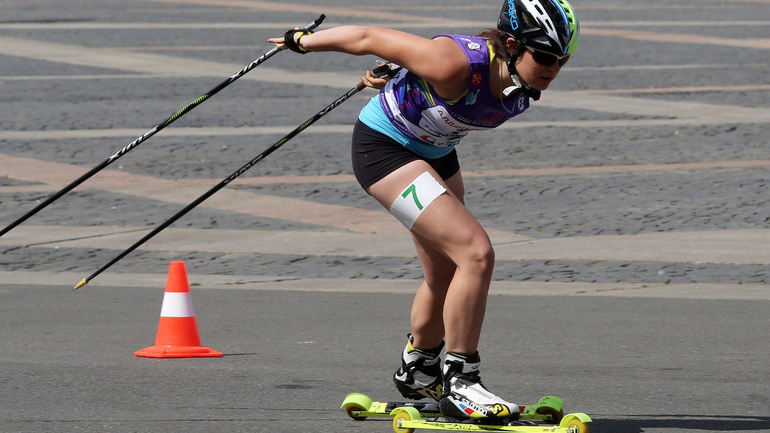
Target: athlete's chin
[{"x": 542, "y": 83}]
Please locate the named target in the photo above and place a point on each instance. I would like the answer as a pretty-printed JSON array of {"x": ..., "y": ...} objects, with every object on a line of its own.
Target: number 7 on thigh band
[{"x": 413, "y": 200}]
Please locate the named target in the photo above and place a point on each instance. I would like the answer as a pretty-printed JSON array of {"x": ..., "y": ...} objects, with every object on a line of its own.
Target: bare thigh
[{"x": 445, "y": 226}]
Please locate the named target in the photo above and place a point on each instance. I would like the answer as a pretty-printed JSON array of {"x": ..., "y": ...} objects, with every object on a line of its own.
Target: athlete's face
[{"x": 538, "y": 69}]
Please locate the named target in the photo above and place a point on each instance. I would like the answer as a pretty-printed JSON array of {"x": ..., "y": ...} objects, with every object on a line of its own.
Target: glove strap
[{"x": 294, "y": 45}]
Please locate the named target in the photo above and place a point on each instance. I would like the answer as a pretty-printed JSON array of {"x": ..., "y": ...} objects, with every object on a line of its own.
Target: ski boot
[
  {"x": 420, "y": 373},
  {"x": 465, "y": 398}
]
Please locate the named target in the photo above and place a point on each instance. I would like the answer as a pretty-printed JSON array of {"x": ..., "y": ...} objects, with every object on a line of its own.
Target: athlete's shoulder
[{"x": 476, "y": 48}]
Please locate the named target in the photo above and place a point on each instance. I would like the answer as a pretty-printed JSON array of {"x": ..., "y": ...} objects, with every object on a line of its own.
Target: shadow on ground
[{"x": 696, "y": 423}]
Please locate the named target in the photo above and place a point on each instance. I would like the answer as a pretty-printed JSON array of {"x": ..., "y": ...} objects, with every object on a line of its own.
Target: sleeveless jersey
[{"x": 411, "y": 106}]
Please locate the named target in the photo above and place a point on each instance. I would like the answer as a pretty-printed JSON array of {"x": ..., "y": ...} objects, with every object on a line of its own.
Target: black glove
[{"x": 294, "y": 45}]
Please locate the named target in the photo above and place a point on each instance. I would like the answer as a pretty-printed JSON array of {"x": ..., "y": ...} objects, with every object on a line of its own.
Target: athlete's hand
[
  {"x": 291, "y": 39},
  {"x": 376, "y": 82},
  {"x": 281, "y": 42}
]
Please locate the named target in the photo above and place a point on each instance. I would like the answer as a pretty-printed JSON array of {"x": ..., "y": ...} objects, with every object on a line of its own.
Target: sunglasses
[{"x": 547, "y": 59}]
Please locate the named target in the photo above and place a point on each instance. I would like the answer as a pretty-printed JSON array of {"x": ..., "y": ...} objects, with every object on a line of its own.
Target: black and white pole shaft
[
  {"x": 144, "y": 137},
  {"x": 379, "y": 71}
]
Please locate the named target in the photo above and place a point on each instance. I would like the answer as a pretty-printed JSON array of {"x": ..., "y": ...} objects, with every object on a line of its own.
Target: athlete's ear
[{"x": 510, "y": 45}]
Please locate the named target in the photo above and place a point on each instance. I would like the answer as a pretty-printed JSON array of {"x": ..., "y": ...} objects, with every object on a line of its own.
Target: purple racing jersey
[{"x": 412, "y": 107}]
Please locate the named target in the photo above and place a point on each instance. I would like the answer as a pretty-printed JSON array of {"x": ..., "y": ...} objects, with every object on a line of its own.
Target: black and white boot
[
  {"x": 466, "y": 398},
  {"x": 420, "y": 373}
]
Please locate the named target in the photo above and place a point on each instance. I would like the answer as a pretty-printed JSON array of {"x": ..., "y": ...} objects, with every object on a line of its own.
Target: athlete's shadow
[{"x": 664, "y": 423}]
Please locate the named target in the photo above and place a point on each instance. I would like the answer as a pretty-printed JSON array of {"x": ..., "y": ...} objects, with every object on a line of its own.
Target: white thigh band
[{"x": 415, "y": 198}]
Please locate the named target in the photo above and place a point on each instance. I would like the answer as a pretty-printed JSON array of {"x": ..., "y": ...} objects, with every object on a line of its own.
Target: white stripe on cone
[{"x": 177, "y": 304}]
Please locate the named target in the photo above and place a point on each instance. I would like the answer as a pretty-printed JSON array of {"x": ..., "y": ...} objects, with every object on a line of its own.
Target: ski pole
[
  {"x": 386, "y": 69},
  {"x": 261, "y": 59}
]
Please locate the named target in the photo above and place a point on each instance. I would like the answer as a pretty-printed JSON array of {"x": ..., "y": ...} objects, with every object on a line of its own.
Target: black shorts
[{"x": 375, "y": 155}]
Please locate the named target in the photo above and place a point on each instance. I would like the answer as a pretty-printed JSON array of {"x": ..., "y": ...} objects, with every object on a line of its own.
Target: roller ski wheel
[
  {"x": 357, "y": 406},
  {"x": 403, "y": 416},
  {"x": 547, "y": 409},
  {"x": 574, "y": 424}
]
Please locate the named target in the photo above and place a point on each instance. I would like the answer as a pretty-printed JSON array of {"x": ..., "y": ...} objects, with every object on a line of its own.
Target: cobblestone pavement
[{"x": 642, "y": 173}]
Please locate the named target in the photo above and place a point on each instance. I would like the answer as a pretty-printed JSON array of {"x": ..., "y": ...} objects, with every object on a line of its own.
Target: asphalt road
[{"x": 628, "y": 208}]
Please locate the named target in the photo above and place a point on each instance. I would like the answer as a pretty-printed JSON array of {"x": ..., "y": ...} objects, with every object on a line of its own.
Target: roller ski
[
  {"x": 408, "y": 419},
  {"x": 548, "y": 410}
]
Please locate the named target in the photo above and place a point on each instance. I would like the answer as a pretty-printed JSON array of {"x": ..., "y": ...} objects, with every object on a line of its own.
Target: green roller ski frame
[
  {"x": 358, "y": 406},
  {"x": 408, "y": 419}
]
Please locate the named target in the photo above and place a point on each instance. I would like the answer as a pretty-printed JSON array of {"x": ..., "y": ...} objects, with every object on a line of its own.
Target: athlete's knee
[{"x": 479, "y": 256}]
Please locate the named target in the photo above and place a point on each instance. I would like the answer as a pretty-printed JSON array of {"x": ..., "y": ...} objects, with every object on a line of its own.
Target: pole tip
[{"x": 81, "y": 284}]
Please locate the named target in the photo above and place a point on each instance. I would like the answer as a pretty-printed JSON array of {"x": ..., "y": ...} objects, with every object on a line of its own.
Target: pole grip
[
  {"x": 314, "y": 24},
  {"x": 389, "y": 69}
]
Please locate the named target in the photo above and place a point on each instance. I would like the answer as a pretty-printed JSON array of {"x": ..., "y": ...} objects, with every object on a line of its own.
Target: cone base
[{"x": 177, "y": 352}]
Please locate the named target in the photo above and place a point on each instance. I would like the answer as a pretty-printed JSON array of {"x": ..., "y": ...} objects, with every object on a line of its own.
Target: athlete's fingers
[
  {"x": 279, "y": 41},
  {"x": 375, "y": 82}
]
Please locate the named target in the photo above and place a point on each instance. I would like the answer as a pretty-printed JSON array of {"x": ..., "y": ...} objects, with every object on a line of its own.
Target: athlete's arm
[{"x": 440, "y": 61}]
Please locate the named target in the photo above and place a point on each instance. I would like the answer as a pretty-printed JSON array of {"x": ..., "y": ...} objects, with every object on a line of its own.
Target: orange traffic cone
[{"x": 177, "y": 331}]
